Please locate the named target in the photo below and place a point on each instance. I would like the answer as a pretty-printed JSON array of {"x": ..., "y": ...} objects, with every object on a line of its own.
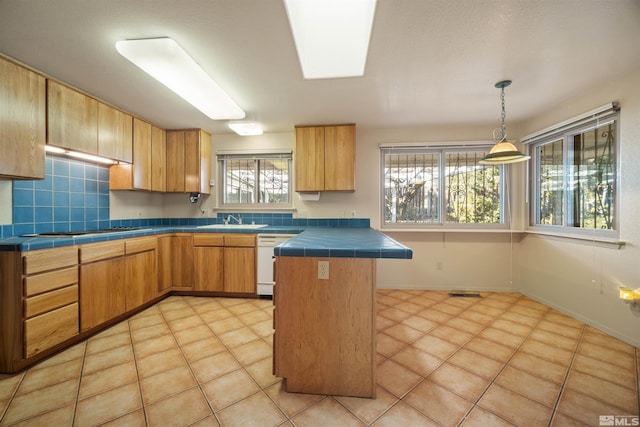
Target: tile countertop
[
  {"x": 343, "y": 243},
  {"x": 311, "y": 241}
]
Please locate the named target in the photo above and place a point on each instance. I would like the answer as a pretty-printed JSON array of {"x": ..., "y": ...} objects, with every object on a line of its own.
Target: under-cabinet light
[
  {"x": 167, "y": 62},
  {"x": 77, "y": 155},
  {"x": 246, "y": 128},
  {"x": 331, "y": 36}
]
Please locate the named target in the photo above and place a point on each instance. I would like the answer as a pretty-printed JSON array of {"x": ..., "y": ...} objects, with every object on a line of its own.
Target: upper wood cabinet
[
  {"x": 80, "y": 123},
  {"x": 114, "y": 133},
  {"x": 23, "y": 118},
  {"x": 147, "y": 172},
  {"x": 188, "y": 161},
  {"x": 325, "y": 158},
  {"x": 72, "y": 119},
  {"x": 158, "y": 159}
]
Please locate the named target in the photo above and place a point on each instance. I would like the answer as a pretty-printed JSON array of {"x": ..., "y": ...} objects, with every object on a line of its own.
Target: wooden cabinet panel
[
  {"x": 72, "y": 119},
  {"x": 102, "y": 295},
  {"x": 239, "y": 270},
  {"x": 175, "y": 262},
  {"x": 208, "y": 239},
  {"x": 208, "y": 268},
  {"x": 98, "y": 251},
  {"x": 51, "y": 300},
  {"x": 114, "y": 133},
  {"x": 23, "y": 129},
  {"x": 245, "y": 240},
  {"x": 309, "y": 159},
  {"x": 141, "y": 155},
  {"x": 142, "y": 244},
  {"x": 192, "y": 161},
  {"x": 165, "y": 280},
  {"x": 326, "y": 328},
  {"x": 45, "y": 282},
  {"x": 188, "y": 161},
  {"x": 158, "y": 159},
  {"x": 175, "y": 161},
  {"x": 339, "y": 158},
  {"x": 45, "y": 331},
  {"x": 141, "y": 278},
  {"x": 49, "y": 259},
  {"x": 325, "y": 158}
]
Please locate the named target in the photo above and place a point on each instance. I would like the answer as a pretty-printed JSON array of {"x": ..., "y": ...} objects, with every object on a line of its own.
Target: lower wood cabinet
[
  {"x": 50, "y": 306},
  {"x": 141, "y": 273},
  {"x": 175, "y": 262},
  {"x": 102, "y": 284},
  {"x": 225, "y": 263}
]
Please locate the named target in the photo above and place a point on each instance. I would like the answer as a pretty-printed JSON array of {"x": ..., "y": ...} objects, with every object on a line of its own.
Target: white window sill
[{"x": 585, "y": 240}]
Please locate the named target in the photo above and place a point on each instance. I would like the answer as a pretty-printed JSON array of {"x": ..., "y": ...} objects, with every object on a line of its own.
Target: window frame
[
  {"x": 442, "y": 224},
  {"x": 256, "y": 156},
  {"x": 565, "y": 133}
]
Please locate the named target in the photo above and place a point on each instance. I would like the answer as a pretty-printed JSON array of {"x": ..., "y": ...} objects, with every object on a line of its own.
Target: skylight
[{"x": 331, "y": 36}]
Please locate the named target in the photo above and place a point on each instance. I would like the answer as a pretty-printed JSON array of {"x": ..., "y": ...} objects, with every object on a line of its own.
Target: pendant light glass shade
[{"x": 503, "y": 151}]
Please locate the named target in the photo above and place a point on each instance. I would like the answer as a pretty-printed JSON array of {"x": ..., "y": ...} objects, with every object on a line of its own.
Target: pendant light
[{"x": 503, "y": 151}]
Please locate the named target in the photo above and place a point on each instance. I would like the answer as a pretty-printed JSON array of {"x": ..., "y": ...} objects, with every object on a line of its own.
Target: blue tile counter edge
[
  {"x": 343, "y": 243},
  {"x": 310, "y": 241}
]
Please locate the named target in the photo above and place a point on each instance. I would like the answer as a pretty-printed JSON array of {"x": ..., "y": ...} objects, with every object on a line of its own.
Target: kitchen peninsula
[{"x": 325, "y": 310}]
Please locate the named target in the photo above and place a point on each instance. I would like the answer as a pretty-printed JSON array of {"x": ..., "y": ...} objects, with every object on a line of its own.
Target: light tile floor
[{"x": 500, "y": 360}]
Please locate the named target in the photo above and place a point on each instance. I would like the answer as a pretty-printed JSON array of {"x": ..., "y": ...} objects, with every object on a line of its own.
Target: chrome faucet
[{"x": 230, "y": 217}]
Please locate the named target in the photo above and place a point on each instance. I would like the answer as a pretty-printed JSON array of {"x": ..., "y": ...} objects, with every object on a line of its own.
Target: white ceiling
[{"x": 430, "y": 62}]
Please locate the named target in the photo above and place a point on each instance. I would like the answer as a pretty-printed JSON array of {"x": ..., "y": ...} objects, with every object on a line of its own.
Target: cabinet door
[
  {"x": 175, "y": 161},
  {"x": 192, "y": 161},
  {"x": 339, "y": 158},
  {"x": 23, "y": 129},
  {"x": 205, "y": 162},
  {"x": 72, "y": 119},
  {"x": 165, "y": 280},
  {"x": 310, "y": 169},
  {"x": 102, "y": 294},
  {"x": 141, "y": 155},
  {"x": 240, "y": 270},
  {"x": 175, "y": 262},
  {"x": 208, "y": 268},
  {"x": 114, "y": 133},
  {"x": 141, "y": 278},
  {"x": 158, "y": 159}
]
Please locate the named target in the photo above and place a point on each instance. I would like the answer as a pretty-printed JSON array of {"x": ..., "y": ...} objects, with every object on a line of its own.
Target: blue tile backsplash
[{"x": 73, "y": 196}]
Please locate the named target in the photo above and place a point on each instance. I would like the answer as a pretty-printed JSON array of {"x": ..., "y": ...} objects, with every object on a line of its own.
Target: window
[
  {"x": 255, "y": 180},
  {"x": 574, "y": 182},
  {"x": 426, "y": 187}
]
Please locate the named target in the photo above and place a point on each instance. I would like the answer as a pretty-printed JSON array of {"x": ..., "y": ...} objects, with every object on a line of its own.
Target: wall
[{"x": 582, "y": 278}]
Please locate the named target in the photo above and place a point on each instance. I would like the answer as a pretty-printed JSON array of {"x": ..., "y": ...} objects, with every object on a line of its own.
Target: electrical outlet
[
  {"x": 353, "y": 213},
  {"x": 323, "y": 270}
]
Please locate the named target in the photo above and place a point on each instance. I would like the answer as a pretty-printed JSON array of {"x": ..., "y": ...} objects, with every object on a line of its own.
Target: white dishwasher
[{"x": 266, "y": 243}]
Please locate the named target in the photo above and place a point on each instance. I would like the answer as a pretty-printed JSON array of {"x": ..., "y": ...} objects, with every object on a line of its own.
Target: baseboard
[{"x": 590, "y": 322}]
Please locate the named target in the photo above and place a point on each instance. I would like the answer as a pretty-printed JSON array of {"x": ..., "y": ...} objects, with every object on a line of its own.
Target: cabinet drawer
[
  {"x": 50, "y": 301},
  {"x": 50, "y": 259},
  {"x": 211, "y": 239},
  {"x": 246, "y": 240},
  {"x": 47, "y": 330},
  {"x": 45, "y": 282},
  {"x": 89, "y": 253},
  {"x": 135, "y": 246}
]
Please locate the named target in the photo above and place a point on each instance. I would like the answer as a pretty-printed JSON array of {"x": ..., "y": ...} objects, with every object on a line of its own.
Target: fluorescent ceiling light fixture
[
  {"x": 246, "y": 128},
  {"x": 331, "y": 36},
  {"x": 166, "y": 61}
]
